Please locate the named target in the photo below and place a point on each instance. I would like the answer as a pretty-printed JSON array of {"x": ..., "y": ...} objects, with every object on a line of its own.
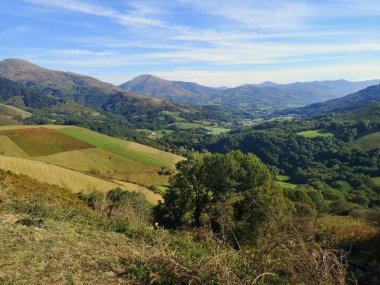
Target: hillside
[
  {"x": 176, "y": 91},
  {"x": 83, "y": 157},
  {"x": 94, "y": 94},
  {"x": 355, "y": 102}
]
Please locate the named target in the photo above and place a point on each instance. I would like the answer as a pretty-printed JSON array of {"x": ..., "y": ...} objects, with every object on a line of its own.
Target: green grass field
[
  {"x": 217, "y": 130},
  {"x": 376, "y": 180},
  {"x": 137, "y": 152},
  {"x": 283, "y": 180},
  {"x": 315, "y": 133},
  {"x": 368, "y": 142}
]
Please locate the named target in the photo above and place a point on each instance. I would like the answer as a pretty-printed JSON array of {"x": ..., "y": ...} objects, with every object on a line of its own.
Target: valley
[{"x": 113, "y": 162}]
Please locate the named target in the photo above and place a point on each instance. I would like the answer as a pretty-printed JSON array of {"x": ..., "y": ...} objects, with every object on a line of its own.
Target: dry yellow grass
[
  {"x": 9, "y": 148},
  {"x": 14, "y": 111},
  {"x": 66, "y": 178},
  {"x": 16, "y": 127}
]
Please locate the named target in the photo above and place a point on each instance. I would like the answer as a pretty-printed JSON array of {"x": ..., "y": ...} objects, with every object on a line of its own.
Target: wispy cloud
[
  {"x": 245, "y": 36},
  {"x": 14, "y": 31},
  {"x": 136, "y": 17}
]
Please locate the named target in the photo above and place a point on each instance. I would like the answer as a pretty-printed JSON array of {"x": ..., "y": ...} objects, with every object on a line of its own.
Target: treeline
[{"x": 30, "y": 97}]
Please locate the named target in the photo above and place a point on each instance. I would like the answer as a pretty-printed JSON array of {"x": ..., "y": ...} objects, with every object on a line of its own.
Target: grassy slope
[
  {"x": 283, "y": 180},
  {"x": 376, "y": 180},
  {"x": 315, "y": 133},
  {"x": 368, "y": 142},
  {"x": 72, "y": 180},
  {"x": 97, "y": 161},
  {"x": 9, "y": 148},
  {"x": 137, "y": 152},
  {"x": 43, "y": 141},
  {"x": 8, "y": 110},
  {"x": 77, "y": 245},
  {"x": 106, "y": 164}
]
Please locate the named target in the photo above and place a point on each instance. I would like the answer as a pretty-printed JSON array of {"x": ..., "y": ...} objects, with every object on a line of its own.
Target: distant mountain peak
[
  {"x": 267, "y": 84},
  {"x": 181, "y": 91},
  {"x": 19, "y": 63}
]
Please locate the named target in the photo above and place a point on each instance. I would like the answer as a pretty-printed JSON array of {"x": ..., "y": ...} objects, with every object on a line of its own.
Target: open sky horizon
[{"x": 213, "y": 42}]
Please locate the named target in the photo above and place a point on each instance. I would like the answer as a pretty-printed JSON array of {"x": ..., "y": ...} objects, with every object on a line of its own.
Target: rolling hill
[{"x": 79, "y": 159}]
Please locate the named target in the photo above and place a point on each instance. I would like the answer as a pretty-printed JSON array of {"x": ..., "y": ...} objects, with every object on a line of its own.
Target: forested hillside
[{"x": 353, "y": 102}]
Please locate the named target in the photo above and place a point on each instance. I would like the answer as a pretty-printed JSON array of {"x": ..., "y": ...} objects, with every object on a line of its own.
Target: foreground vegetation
[{"x": 227, "y": 230}]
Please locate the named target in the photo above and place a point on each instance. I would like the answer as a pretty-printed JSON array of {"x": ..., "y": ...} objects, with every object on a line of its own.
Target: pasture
[
  {"x": 284, "y": 181},
  {"x": 376, "y": 180},
  {"x": 99, "y": 162},
  {"x": 11, "y": 111},
  {"x": 69, "y": 179},
  {"x": 43, "y": 141},
  {"x": 98, "y": 155},
  {"x": 315, "y": 133},
  {"x": 140, "y": 153},
  {"x": 368, "y": 142}
]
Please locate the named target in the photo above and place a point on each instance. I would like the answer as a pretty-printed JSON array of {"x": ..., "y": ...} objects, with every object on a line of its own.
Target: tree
[{"x": 232, "y": 188}]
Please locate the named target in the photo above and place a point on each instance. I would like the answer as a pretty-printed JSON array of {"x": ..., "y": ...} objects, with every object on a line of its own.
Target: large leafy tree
[{"x": 232, "y": 188}]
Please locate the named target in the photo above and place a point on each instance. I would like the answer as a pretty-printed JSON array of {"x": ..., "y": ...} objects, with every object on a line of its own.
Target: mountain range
[
  {"x": 85, "y": 93},
  {"x": 363, "y": 99},
  {"x": 146, "y": 94},
  {"x": 255, "y": 98}
]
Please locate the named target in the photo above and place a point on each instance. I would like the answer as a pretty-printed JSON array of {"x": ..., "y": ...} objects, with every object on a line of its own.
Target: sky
[{"x": 211, "y": 42}]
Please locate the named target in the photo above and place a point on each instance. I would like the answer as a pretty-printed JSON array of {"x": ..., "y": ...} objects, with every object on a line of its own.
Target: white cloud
[
  {"x": 134, "y": 18},
  {"x": 81, "y": 52}
]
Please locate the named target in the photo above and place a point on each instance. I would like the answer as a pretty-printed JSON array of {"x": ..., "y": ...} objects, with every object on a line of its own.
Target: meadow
[
  {"x": 284, "y": 181},
  {"x": 134, "y": 151},
  {"x": 315, "y": 133},
  {"x": 376, "y": 180},
  {"x": 368, "y": 142}
]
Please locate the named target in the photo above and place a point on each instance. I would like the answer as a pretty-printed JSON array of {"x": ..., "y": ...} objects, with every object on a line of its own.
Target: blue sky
[{"x": 212, "y": 42}]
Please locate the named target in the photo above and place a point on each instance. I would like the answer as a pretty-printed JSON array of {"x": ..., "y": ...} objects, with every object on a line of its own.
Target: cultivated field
[
  {"x": 9, "y": 148},
  {"x": 106, "y": 164},
  {"x": 134, "y": 151},
  {"x": 368, "y": 142},
  {"x": 315, "y": 133},
  {"x": 43, "y": 141},
  {"x": 66, "y": 178},
  {"x": 79, "y": 159}
]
